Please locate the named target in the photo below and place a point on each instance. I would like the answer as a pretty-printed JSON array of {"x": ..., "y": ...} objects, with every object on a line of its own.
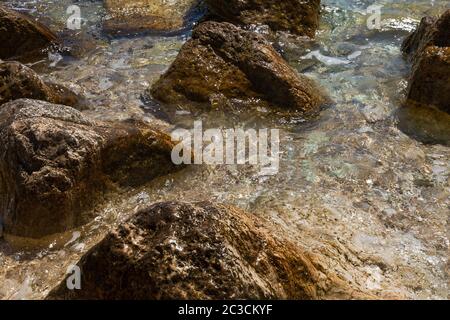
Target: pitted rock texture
[
  {"x": 176, "y": 250},
  {"x": 55, "y": 164},
  {"x": 222, "y": 59}
]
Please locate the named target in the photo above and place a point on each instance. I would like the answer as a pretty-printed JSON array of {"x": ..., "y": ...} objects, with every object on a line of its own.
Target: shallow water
[{"x": 366, "y": 181}]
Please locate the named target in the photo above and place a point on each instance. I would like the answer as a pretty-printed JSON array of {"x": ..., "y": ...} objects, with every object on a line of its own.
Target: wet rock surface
[
  {"x": 55, "y": 163},
  {"x": 21, "y": 37},
  {"x": 18, "y": 81},
  {"x": 430, "y": 80},
  {"x": 130, "y": 16},
  {"x": 428, "y": 48},
  {"x": 222, "y": 59},
  {"x": 296, "y": 16},
  {"x": 431, "y": 31},
  {"x": 176, "y": 250}
]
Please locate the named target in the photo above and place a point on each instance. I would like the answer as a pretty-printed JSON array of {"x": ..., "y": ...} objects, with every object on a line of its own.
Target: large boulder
[
  {"x": 18, "y": 81},
  {"x": 222, "y": 59},
  {"x": 176, "y": 250},
  {"x": 136, "y": 16},
  {"x": 428, "y": 48},
  {"x": 300, "y": 17},
  {"x": 55, "y": 163},
  {"x": 21, "y": 37}
]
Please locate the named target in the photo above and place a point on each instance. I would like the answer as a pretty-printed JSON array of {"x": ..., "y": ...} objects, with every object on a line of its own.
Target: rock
[
  {"x": 430, "y": 79},
  {"x": 78, "y": 43},
  {"x": 177, "y": 250},
  {"x": 18, "y": 81},
  {"x": 21, "y": 37},
  {"x": 131, "y": 16},
  {"x": 55, "y": 164},
  {"x": 222, "y": 59},
  {"x": 428, "y": 48},
  {"x": 430, "y": 32},
  {"x": 297, "y": 16},
  {"x": 427, "y": 125}
]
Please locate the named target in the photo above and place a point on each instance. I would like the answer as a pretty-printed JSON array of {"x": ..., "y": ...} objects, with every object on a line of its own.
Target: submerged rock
[
  {"x": 428, "y": 48},
  {"x": 177, "y": 250},
  {"x": 130, "y": 16},
  {"x": 55, "y": 163},
  {"x": 222, "y": 59},
  {"x": 78, "y": 43},
  {"x": 18, "y": 81},
  {"x": 427, "y": 125},
  {"x": 21, "y": 37},
  {"x": 297, "y": 16}
]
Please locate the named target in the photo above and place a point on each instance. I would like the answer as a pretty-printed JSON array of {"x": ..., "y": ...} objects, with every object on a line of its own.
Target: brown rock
[
  {"x": 297, "y": 16},
  {"x": 224, "y": 59},
  {"x": 136, "y": 16},
  {"x": 199, "y": 251},
  {"x": 55, "y": 163},
  {"x": 21, "y": 37},
  {"x": 428, "y": 48},
  {"x": 430, "y": 32},
  {"x": 430, "y": 79},
  {"x": 18, "y": 81}
]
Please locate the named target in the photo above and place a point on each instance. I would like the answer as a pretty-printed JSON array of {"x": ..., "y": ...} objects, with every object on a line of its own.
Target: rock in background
[
  {"x": 300, "y": 17},
  {"x": 18, "y": 81},
  {"x": 136, "y": 16}
]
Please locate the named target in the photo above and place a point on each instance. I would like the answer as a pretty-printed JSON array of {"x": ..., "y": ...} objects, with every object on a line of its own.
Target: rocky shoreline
[{"x": 56, "y": 163}]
